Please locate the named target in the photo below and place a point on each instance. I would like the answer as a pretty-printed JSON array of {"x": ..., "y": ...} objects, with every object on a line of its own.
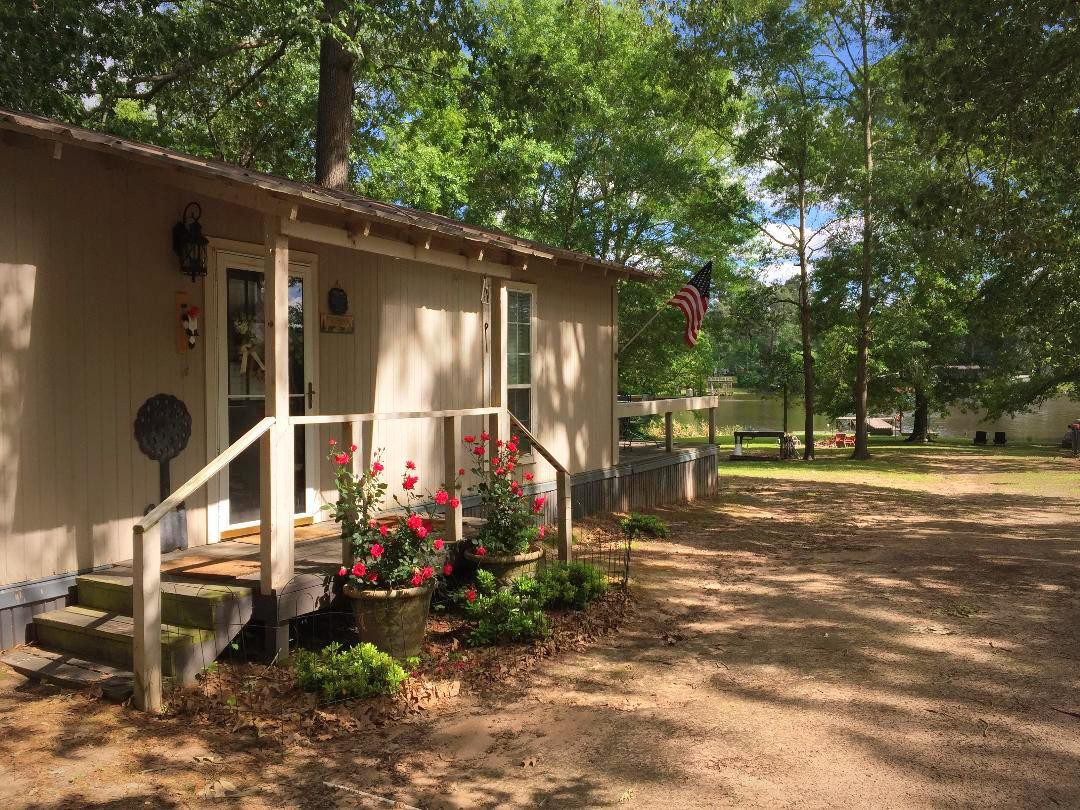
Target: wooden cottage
[{"x": 320, "y": 315}]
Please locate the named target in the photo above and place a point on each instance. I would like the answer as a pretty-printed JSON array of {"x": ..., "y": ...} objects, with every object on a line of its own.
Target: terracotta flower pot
[
  {"x": 506, "y": 567},
  {"x": 393, "y": 620}
]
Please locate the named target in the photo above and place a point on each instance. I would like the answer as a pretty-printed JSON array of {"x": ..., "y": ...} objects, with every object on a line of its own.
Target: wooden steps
[
  {"x": 85, "y": 643},
  {"x": 69, "y": 671}
]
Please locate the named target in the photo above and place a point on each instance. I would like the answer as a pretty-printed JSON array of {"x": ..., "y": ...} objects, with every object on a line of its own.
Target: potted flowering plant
[
  {"x": 395, "y": 560},
  {"x": 508, "y": 545}
]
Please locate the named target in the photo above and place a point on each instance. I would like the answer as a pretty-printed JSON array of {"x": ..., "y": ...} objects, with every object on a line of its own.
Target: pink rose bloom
[
  {"x": 441, "y": 497},
  {"x": 342, "y": 459},
  {"x": 480, "y": 551},
  {"x": 384, "y": 530},
  {"x": 377, "y": 551},
  {"x": 484, "y": 437},
  {"x": 410, "y": 465},
  {"x": 478, "y": 450},
  {"x": 359, "y": 569},
  {"x": 342, "y": 571},
  {"x": 538, "y": 503},
  {"x": 427, "y": 572},
  {"x": 543, "y": 531},
  {"x": 373, "y": 576},
  {"x": 500, "y": 471},
  {"x": 417, "y": 579},
  {"x": 469, "y": 439},
  {"x": 447, "y": 570},
  {"x": 438, "y": 544},
  {"x": 353, "y": 448},
  {"x": 333, "y": 442},
  {"x": 454, "y": 503},
  {"x": 377, "y": 467},
  {"x": 414, "y": 522},
  {"x": 512, "y": 447},
  {"x": 528, "y": 476},
  {"x": 422, "y": 532},
  {"x": 470, "y": 595},
  {"x": 409, "y": 482},
  {"x": 460, "y": 470}
]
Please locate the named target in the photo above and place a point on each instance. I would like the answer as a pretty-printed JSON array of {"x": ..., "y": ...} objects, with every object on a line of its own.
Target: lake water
[{"x": 1045, "y": 424}]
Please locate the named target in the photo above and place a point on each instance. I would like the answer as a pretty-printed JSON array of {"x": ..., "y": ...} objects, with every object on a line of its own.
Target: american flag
[{"x": 693, "y": 300}]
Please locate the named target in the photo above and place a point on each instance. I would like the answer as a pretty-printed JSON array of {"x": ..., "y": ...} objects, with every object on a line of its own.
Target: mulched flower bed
[{"x": 265, "y": 700}]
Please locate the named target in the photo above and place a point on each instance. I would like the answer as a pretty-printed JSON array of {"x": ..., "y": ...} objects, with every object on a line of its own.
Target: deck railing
[
  {"x": 668, "y": 407},
  {"x": 146, "y": 534},
  {"x": 146, "y": 572}
]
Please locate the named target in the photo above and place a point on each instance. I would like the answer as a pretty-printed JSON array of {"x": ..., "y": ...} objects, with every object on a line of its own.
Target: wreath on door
[{"x": 249, "y": 344}]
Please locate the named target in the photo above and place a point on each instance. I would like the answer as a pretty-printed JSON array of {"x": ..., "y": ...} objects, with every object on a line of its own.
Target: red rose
[
  {"x": 447, "y": 570},
  {"x": 333, "y": 442},
  {"x": 384, "y": 530},
  {"x": 543, "y": 531},
  {"x": 421, "y": 532},
  {"x": 480, "y": 551},
  {"x": 484, "y": 437},
  {"x": 376, "y": 551},
  {"x": 417, "y": 579},
  {"x": 461, "y": 471},
  {"x": 528, "y": 476},
  {"x": 469, "y": 439},
  {"x": 538, "y": 503},
  {"x": 512, "y": 447},
  {"x": 499, "y": 443},
  {"x": 373, "y": 576},
  {"x": 514, "y": 439},
  {"x": 353, "y": 448},
  {"x": 193, "y": 312},
  {"x": 414, "y": 522},
  {"x": 342, "y": 571},
  {"x": 494, "y": 459},
  {"x": 500, "y": 471},
  {"x": 372, "y": 524},
  {"x": 470, "y": 595},
  {"x": 438, "y": 544},
  {"x": 410, "y": 465},
  {"x": 455, "y": 503},
  {"x": 377, "y": 468},
  {"x": 342, "y": 459},
  {"x": 441, "y": 497},
  {"x": 427, "y": 572},
  {"x": 359, "y": 569},
  {"x": 478, "y": 450},
  {"x": 409, "y": 482}
]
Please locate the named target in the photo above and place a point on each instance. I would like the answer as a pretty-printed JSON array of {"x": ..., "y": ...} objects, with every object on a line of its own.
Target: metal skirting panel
[{"x": 17, "y": 621}]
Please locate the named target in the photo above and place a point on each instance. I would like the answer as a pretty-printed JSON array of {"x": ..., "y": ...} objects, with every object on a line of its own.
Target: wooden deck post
[
  {"x": 276, "y": 473},
  {"x": 565, "y": 516},
  {"x": 146, "y": 616},
  {"x": 712, "y": 425},
  {"x": 498, "y": 423},
  {"x": 669, "y": 437},
  {"x": 615, "y": 374},
  {"x": 451, "y": 433}
]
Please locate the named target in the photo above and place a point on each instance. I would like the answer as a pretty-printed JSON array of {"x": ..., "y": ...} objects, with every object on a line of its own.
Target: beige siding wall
[{"x": 87, "y": 284}]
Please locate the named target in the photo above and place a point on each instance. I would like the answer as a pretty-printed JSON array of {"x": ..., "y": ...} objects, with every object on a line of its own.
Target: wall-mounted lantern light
[{"x": 189, "y": 243}]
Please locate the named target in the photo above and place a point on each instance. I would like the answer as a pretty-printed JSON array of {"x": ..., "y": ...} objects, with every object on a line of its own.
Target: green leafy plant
[
  {"x": 572, "y": 585},
  {"x": 356, "y": 672},
  {"x": 504, "y": 616},
  {"x": 638, "y": 525}
]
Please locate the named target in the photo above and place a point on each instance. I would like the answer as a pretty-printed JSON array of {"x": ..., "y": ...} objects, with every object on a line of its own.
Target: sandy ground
[{"x": 795, "y": 644}]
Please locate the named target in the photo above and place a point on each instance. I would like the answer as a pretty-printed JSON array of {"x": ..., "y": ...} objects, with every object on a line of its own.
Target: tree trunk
[
  {"x": 921, "y": 416},
  {"x": 862, "y": 439},
  {"x": 804, "y": 324},
  {"x": 334, "y": 122}
]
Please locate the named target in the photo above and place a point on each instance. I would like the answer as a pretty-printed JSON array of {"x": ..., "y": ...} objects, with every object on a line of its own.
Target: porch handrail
[
  {"x": 334, "y": 419},
  {"x": 564, "y": 503},
  {"x": 649, "y": 407},
  {"x": 146, "y": 572}
]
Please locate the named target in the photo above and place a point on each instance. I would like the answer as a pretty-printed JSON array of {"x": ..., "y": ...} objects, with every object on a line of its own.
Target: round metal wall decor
[{"x": 162, "y": 427}]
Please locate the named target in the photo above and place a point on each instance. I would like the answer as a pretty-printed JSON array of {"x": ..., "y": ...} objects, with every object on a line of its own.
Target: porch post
[
  {"x": 669, "y": 433},
  {"x": 146, "y": 617},
  {"x": 276, "y": 473},
  {"x": 712, "y": 425},
  {"x": 451, "y": 432}
]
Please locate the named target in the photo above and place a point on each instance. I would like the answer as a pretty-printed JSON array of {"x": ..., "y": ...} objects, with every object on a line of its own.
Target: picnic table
[{"x": 740, "y": 435}]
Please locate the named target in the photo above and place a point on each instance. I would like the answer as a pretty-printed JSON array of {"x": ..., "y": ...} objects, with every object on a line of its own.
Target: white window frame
[{"x": 530, "y": 289}]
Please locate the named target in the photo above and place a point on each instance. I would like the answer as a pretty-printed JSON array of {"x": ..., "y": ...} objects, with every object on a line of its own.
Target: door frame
[{"x": 251, "y": 256}]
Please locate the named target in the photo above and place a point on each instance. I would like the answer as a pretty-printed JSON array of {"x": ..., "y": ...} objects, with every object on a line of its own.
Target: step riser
[{"x": 185, "y": 611}]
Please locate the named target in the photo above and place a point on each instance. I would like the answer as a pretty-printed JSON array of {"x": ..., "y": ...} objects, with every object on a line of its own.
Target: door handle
[{"x": 310, "y": 396}]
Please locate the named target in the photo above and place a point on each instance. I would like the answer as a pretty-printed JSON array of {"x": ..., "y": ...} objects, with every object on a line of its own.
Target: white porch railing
[
  {"x": 648, "y": 407},
  {"x": 146, "y": 535}
]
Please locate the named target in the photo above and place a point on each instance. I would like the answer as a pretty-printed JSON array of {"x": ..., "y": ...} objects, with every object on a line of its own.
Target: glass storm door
[{"x": 245, "y": 391}]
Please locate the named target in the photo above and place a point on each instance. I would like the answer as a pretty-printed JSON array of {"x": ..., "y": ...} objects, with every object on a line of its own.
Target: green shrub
[
  {"x": 504, "y": 616},
  {"x": 571, "y": 585},
  {"x": 636, "y": 524},
  {"x": 356, "y": 672}
]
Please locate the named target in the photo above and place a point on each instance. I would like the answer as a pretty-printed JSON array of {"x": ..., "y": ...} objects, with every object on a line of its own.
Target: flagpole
[{"x": 640, "y": 331}]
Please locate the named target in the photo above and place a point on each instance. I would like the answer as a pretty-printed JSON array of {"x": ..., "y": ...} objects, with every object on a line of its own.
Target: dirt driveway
[{"x": 796, "y": 644}]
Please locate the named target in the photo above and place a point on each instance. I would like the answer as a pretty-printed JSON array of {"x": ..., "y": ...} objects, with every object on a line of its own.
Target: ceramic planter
[
  {"x": 507, "y": 567},
  {"x": 393, "y": 620}
]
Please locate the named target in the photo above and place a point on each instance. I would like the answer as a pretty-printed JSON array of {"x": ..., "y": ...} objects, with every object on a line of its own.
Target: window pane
[
  {"x": 512, "y": 373},
  {"x": 520, "y": 402},
  {"x": 524, "y": 338}
]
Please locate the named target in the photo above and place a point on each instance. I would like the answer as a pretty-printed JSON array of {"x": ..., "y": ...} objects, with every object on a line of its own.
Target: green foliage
[
  {"x": 355, "y": 672},
  {"x": 573, "y": 585},
  {"x": 636, "y": 524},
  {"x": 505, "y": 616}
]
